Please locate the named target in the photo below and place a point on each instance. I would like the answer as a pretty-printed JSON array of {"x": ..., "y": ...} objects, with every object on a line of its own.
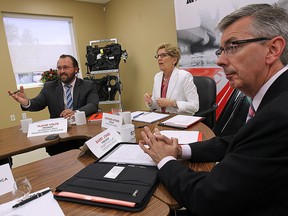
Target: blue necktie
[{"x": 69, "y": 96}]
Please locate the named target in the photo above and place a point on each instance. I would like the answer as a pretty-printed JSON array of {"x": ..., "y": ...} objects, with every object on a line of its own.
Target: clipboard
[{"x": 122, "y": 186}]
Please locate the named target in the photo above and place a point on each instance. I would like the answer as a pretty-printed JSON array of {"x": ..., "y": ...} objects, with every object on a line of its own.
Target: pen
[
  {"x": 141, "y": 126},
  {"x": 33, "y": 197},
  {"x": 132, "y": 165},
  {"x": 136, "y": 116},
  {"x": 14, "y": 92}
]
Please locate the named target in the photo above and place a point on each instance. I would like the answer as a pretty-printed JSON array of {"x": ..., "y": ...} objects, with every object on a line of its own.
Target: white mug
[
  {"x": 25, "y": 124},
  {"x": 127, "y": 133},
  {"x": 126, "y": 116},
  {"x": 79, "y": 118}
]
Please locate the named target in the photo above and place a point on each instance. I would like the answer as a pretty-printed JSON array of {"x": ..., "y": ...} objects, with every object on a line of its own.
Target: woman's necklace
[{"x": 165, "y": 78}]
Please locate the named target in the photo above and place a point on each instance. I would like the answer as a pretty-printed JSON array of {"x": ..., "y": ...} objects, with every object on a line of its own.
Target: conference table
[
  {"x": 53, "y": 171},
  {"x": 13, "y": 142}
]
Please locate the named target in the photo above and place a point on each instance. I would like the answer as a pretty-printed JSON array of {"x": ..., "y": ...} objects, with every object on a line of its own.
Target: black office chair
[
  {"x": 234, "y": 115},
  {"x": 206, "y": 88}
]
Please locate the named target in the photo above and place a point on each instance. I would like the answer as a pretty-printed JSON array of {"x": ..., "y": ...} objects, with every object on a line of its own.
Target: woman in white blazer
[{"x": 174, "y": 90}]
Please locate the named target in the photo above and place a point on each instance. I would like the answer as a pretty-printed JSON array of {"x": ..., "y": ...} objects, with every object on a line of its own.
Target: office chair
[
  {"x": 206, "y": 88},
  {"x": 233, "y": 117}
]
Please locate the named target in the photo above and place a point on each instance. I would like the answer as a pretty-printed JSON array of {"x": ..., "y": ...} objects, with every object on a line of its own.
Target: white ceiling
[{"x": 96, "y": 1}]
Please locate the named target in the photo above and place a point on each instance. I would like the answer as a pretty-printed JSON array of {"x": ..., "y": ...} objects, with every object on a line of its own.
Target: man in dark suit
[
  {"x": 252, "y": 174},
  {"x": 54, "y": 96}
]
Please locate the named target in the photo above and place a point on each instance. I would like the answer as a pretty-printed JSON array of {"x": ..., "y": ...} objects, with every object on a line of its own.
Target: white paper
[
  {"x": 47, "y": 127},
  {"x": 110, "y": 120},
  {"x": 148, "y": 117},
  {"x": 182, "y": 121},
  {"x": 129, "y": 154},
  {"x": 184, "y": 137},
  {"x": 102, "y": 143},
  {"x": 45, "y": 205},
  {"x": 6, "y": 179},
  {"x": 114, "y": 172}
]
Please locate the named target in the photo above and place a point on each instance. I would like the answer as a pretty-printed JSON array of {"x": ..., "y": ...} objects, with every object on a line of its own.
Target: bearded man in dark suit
[{"x": 53, "y": 95}]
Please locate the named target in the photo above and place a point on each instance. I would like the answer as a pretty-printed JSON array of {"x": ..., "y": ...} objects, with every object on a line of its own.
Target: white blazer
[{"x": 181, "y": 88}]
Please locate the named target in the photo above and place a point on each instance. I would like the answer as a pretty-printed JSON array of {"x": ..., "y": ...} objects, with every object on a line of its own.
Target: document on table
[
  {"x": 45, "y": 205},
  {"x": 184, "y": 137},
  {"x": 147, "y": 117},
  {"x": 129, "y": 154},
  {"x": 181, "y": 121}
]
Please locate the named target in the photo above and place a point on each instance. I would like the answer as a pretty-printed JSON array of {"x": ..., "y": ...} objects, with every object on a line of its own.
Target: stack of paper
[
  {"x": 129, "y": 154},
  {"x": 184, "y": 137},
  {"x": 45, "y": 205},
  {"x": 181, "y": 121},
  {"x": 147, "y": 117}
]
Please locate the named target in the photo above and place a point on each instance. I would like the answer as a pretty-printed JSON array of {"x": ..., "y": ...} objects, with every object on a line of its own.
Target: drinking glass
[
  {"x": 116, "y": 111},
  {"x": 21, "y": 188}
]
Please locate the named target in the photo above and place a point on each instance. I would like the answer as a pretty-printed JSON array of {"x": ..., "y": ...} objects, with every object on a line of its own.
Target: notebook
[
  {"x": 124, "y": 186},
  {"x": 181, "y": 121},
  {"x": 147, "y": 117}
]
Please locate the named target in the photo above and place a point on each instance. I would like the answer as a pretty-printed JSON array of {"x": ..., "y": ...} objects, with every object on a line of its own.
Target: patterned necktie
[
  {"x": 251, "y": 113},
  {"x": 69, "y": 96}
]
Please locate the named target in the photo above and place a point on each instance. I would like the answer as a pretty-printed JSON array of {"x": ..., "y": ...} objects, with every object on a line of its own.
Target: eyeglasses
[
  {"x": 162, "y": 55},
  {"x": 65, "y": 68},
  {"x": 231, "y": 48}
]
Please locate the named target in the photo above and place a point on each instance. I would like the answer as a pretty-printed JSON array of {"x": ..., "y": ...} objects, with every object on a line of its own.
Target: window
[{"x": 35, "y": 44}]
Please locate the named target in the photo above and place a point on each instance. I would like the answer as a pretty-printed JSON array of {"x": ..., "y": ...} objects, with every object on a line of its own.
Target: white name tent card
[
  {"x": 47, "y": 127},
  {"x": 6, "y": 179},
  {"x": 110, "y": 120},
  {"x": 102, "y": 143}
]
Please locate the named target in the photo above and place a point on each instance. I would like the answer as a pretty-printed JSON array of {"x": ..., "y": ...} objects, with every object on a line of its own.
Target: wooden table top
[
  {"x": 13, "y": 141},
  {"x": 53, "y": 171}
]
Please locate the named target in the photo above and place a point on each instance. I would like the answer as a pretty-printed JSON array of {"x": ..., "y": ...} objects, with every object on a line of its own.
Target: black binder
[{"x": 130, "y": 190}]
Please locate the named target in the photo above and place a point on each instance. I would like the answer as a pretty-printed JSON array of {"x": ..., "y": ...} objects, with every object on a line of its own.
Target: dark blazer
[
  {"x": 85, "y": 98},
  {"x": 252, "y": 176}
]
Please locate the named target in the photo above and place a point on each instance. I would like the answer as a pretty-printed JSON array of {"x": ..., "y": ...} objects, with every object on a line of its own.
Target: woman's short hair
[{"x": 171, "y": 50}]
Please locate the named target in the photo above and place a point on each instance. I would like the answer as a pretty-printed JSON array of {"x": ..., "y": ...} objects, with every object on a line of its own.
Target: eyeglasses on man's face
[
  {"x": 65, "y": 68},
  {"x": 161, "y": 55},
  {"x": 232, "y": 46}
]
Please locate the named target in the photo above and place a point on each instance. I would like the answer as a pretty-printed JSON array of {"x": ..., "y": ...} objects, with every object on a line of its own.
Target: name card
[
  {"x": 6, "y": 179},
  {"x": 102, "y": 143},
  {"x": 47, "y": 127},
  {"x": 110, "y": 120}
]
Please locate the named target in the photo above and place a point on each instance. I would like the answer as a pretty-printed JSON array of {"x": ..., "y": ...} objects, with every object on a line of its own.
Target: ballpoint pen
[
  {"x": 31, "y": 198},
  {"x": 140, "y": 126},
  {"x": 136, "y": 116},
  {"x": 14, "y": 92}
]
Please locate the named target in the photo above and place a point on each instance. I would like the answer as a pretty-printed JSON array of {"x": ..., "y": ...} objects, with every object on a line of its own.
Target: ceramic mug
[
  {"x": 127, "y": 133},
  {"x": 79, "y": 118}
]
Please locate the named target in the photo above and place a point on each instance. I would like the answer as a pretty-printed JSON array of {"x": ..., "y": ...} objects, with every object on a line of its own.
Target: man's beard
[{"x": 65, "y": 78}]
